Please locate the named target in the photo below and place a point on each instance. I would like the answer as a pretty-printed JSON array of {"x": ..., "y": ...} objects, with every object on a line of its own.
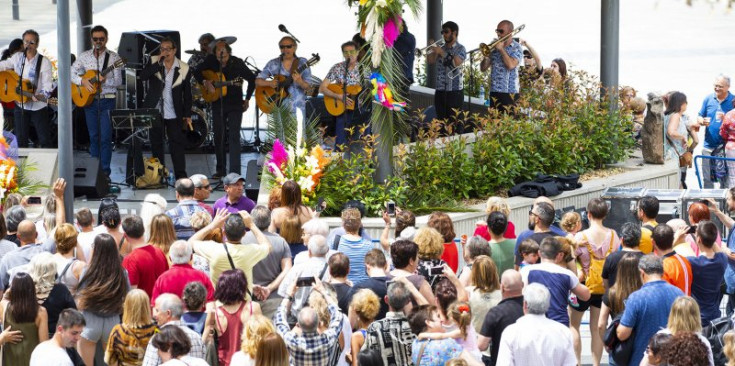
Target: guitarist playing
[
  {"x": 286, "y": 64},
  {"x": 227, "y": 110},
  {"x": 31, "y": 65},
  {"x": 98, "y": 113},
  {"x": 344, "y": 74}
]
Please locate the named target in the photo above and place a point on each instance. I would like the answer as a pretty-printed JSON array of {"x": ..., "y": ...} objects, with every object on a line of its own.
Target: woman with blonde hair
[
  {"x": 362, "y": 312},
  {"x": 443, "y": 224},
  {"x": 729, "y": 348},
  {"x": 129, "y": 339},
  {"x": 162, "y": 233},
  {"x": 272, "y": 351},
  {"x": 69, "y": 268},
  {"x": 484, "y": 289},
  {"x": 495, "y": 204},
  {"x": 257, "y": 327},
  {"x": 318, "y": 302},
  {"x": 152, "y": 205},
  {"x": 53, "y": 296},
  {"x": 431, "y": 247}
]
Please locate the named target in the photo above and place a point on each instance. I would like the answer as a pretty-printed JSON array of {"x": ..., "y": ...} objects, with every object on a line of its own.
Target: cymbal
[
  {"x": 226, "y": 39},
  {"x": 193, "y": 52}
]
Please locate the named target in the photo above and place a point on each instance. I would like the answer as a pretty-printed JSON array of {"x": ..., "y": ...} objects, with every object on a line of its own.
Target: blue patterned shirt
[
  {"x": 436, "y": 352},
  {"x": 503, "y": 80},
  {"x": 446, "y": 78},
  {"x": 297, "y": 96},
  {"x": 309, "y": 349}
]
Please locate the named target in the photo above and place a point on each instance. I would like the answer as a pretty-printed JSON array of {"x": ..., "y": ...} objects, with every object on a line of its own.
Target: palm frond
[
  {"x": 26, "y": 184},
  {"x": 283, "y": 125}
]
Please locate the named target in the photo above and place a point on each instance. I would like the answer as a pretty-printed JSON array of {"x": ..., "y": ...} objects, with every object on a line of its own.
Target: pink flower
[
  {"x": 391, "y": 30},
  {"x": 279, "y": 156}
]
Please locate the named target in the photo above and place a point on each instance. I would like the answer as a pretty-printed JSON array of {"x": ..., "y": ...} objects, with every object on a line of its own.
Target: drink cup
[{"x": 706, "y": 121}]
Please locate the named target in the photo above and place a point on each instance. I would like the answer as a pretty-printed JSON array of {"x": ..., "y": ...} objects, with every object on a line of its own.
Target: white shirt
[
  {"x": 312, "y": 267},
  {"x": 44, "y": 82},
  {"x": 86, "y": 241},
  {"x": 536, "y": 340},
  {"x": 168, "y": 101},
  {"x": 241, "y": 358},
  {"x": 185, "y": 361},
  {"x": 87, "y": 61},
  {"x": 48, "y": 353}
]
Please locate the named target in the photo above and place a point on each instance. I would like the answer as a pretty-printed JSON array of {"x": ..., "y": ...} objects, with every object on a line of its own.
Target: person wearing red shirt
[
  {"x": 181, "y": 273},
  {"x": 145, "y": 262},
  {"x": 443, "y": 224}
]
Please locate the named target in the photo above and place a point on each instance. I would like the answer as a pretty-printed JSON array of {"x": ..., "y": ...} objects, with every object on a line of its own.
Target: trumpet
[
  {"x": 426, "y": 50},
  {"x": 486, "y": 49}
]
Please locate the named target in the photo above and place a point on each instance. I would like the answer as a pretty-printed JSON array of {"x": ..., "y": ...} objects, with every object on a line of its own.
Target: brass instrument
[
  {"x": 486, "y": 49},
  {"x": 423, "y": 51}
]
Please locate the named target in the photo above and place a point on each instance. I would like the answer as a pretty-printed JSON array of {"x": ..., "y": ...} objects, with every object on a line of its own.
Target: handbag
[
  {"x": 621, "y": 351},
  {"x": 685, "y": 159}
]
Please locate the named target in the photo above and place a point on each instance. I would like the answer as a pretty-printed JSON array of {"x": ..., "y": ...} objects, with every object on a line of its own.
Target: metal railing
[{"x": 696, "y": 167}]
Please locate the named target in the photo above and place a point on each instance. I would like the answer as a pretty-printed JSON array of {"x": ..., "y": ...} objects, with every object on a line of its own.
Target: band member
[
  {"x": 170, "y": 91},
  {"x": 449, "y": 78},
  {"x": 32, "y": 66},
  {"x": 284, "y": 65},
  {"x": 228, "y": 110},
  {"x": 98, "y": 113},
  {"x": 346, "y": 73},
  {"x": 504, "y": 61},
  {"x": 15, "y": 46},
  {"x": 206, "y": 41}
]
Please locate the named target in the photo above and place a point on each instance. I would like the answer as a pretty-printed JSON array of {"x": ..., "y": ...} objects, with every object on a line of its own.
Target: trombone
[
  {"x": 427, "y": 50},
  {"x": 486, "y": 49}
]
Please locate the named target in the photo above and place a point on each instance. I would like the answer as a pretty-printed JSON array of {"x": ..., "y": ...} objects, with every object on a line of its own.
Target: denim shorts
[{"x": 98, "y": 327}]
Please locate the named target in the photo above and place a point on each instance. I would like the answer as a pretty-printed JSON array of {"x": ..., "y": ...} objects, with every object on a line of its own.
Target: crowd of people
[{"x": 179, "y": 286}]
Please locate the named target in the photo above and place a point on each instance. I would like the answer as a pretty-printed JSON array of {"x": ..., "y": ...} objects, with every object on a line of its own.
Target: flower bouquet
[{"x": 299, "y": 165}]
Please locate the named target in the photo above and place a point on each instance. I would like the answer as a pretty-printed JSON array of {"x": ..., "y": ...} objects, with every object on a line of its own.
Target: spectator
[
  {"x": 630, "y": 237},
  {"x": 145, "y": 262},
  {"x": 306, "y": 345},
  {"x": 459, "y": 327},
  {"x": 339, "y": 350},
  {"x": 708, "y": 270},
  {"x": 153, "y": 204},
  {"x": 698, "y": 212},
  {"x": 495, "y": 204},
  {"x": 484, "y": 289},
  {"x": 443, "y": 224},
  {"x": 430, "y": 251},
  {"x": 532, "y": 68},
  {"x": 552, "y": 343},
  {"x": 53, "y": 296},
  {"x": 335, "y": 234},
  {"x": 316, "y": 266},
  {"x": 167, "y": 312},
  {"x": 13, "y": 199},
  {"x": 110, "y": 220},
  {"x": 100, "y": 296},
  {"x": 730, "y": 270},
  {"x": 339, "y": 268},
  {"x": 677, "y": 269},
  {"x": 6, "y": 246},
  {"x": 434, "y": 352},
  {"x": 181, "y": 273},
  {"x": 475, "y": 247},
  {"x": 162, "y": 233},
  {"x": 720, "y": 101},
  {"x": 685, "y": 318},
  {"x": 540, "y": 220},
  {"x": 198, "y": 221},
  {"x": 273, "y": 351},
  {"x": 310, "y": 228},
  {"x": 376, "y": 282},
  {"x": 392, "y": 335},
  {"x": 501, "y": 316},
  {"x": 28, "y": 248},
  {"x": 557, "y": 278},
  {"x": 269, "y": 272},
  {"x": 529, "y": 252},
  {"x": 291, "y": 206},
  {"x": 16, "y": 214},
  {"x": 613, "y": 302},
  {"x": 175, "y": 348},
  {"x": 656, "y": 347},
  {"x": 257, "y": 328},
  {"x": 353, "y": 245},
  {"x": 233, "y": 253},
  {"x": 558, "y": 77},
  {"x": 67, "y": 333},
  {"x": 363, "y": 309},
  {"x": 227, "y": 320},
  {"x": 571, "y": 223},
  {"x": 129, "y": 339},
  {"x": 404, "y": 219},
  {"x": 202, "y": 191},
  {"x": 68, "y": 266},
  {"x": 291, "y": 231},
  {"x": 195, "y": 295},
  {"x": 233, "y": 201},
  {"x": 181, "y": 214},
  {"x": 85, "y": 238},
  {"x": 675, "y": 141},
  {"x": 405, "y": 256},
  {"x": 646, "y": 310},
  {"x": 21, "y": 311},
  {"x": 727, "y": 132},
  {"x": 684, "y": 350},
  {"x": 502, "y": 249}
]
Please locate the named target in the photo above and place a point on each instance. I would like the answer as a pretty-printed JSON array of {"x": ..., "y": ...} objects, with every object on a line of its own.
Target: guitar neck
[
  {"x": 40, "y": 98},
  {"x": 218, "y": 84}
]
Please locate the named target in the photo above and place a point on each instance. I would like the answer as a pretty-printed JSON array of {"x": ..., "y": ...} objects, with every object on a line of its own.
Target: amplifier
[
  {"x": 622, "y": 203},
  {"x": 669, "y": 203}
]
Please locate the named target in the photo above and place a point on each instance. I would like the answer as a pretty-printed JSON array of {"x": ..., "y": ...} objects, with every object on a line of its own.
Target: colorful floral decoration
[
  {"x": 382, "y": 93},
  {"x": 8, "y": 170},
  {"x": 299, "y": 165}
]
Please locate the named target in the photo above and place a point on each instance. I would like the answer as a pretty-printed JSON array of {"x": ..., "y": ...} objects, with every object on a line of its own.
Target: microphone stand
[
  {"x": 225, "y": 124},
  {"x": 22, "y": 100},
  {"x": 256, "y": 140},
  {"x": 99, "y": 100}
]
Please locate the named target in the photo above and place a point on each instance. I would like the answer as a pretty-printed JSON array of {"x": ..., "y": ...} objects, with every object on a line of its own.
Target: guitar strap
[
  {"x": 107, "y": 59},
  {"x": 38, "y": 72},
  {"x": 344, "y": 84}
]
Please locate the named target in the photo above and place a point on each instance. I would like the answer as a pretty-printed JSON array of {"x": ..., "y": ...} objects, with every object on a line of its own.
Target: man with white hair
[
  {"x": 202, "y": 190},
  {"x": 314, "y": 226},
  {"x": 711, "y": 115},
  {"x": 167, "y": 311},
  {"x": 316, "y": 266},
  {"x": 180, "y": 274},
  {"x": 551, "y": 343}
]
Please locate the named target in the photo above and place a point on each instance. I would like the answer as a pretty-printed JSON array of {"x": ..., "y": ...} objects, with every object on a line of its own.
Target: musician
[
  {"x": 170, "y": 91},
  {"x": 504, "y": 60},
  {"x": 405, "y": 45},
  {"x": 33, "y": 66},
  {"x": 287, "y": 64},
  {"x": 449, "y": 79},
  {"x": 227, "y": 110},
  {"x": 98, "y": 113},
  {"x": 205, "y": 48},
  {"x": 346, "y": 73},
  {"x": 15, "y": 46}
]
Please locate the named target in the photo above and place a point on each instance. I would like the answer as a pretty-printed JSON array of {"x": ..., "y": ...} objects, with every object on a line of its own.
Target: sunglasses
[
  {"x": 204, "y": 187},
  {"x": 98, "y": 39},
  {"x": 349, "y": 53},
  {"x": 499, "y": 31},
  {"x": 530, "y": 212},
  {"x": 167, "y": 49},
  {"x": 446, "y": 31},
  {"x": 286, "y": 46},
  {"x": 528, "y": 57},
  {"x": 29, "y": 42}
]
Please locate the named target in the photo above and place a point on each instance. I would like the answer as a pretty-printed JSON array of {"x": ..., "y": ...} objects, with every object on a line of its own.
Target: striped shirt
[{"x": 355, "y": 250}]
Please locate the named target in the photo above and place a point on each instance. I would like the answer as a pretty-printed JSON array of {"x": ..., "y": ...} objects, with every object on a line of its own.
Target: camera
[
  {"x": 436, "y": 271},
  {"x": 305, "y": 281},
  {"x": 390, "y": 208}
]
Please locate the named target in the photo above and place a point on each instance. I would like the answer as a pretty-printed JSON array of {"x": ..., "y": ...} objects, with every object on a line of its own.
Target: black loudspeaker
[
  {"x": 252, "y": 180},
  {"x": 622, "y": 203},
  {"x": 89, "y": 180},
  {"x": 696, "y": 195},
  {"x": 136, "y": 47},
  {"x": 669, "y": 203}
]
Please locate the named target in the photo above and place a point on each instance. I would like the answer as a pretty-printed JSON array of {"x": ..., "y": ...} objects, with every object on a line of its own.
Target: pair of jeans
[
  {"x": 40, "y": 121},
  {"x": 229, "y": 121},
  {"x": 344, "y": 121},
  {"x": 176, "y": 141},
  {"x": 100, "y": 131}
]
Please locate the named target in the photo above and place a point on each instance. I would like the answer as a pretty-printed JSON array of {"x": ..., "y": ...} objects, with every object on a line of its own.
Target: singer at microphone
[
  {"x": 344, "y": 73},
  {"x": 287, "y": 71}
]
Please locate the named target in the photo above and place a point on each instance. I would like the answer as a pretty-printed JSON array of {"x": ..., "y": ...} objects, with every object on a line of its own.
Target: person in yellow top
[{"x": 647, "y": 212}]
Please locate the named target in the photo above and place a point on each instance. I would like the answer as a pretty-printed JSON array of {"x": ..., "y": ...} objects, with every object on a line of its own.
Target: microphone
[{"x": 283, "y": 29}]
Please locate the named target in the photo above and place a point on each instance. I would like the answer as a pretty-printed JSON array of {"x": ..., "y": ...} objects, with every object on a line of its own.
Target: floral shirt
[
  {"x": 436, "y": 352},
  {"x": 337, "y": 74},
  {"x": 297, "y": 96},
  {"x": 448, "y": 77},
  {"x": 503, "y": 80},
  {"x": 424, "y": 269},
  {"x": 727, "y": 130}
]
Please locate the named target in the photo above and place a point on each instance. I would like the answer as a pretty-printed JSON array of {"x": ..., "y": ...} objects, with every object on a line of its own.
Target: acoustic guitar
[
  {"x": 219, "y": 83},
  {"x": 335, "y": 106},
  {"x": 12, "y": 89},
  {"x": 269, "y": 97},
  {"x": 83, "y": 97}
]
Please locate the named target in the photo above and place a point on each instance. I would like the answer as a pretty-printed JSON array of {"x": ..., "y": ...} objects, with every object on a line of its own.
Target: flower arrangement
[
  {"x": 299, "y": 165},
  {"x": 8, "y": 170}
]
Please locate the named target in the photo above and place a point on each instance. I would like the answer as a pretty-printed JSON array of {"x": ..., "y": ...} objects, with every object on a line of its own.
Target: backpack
[
  {"x": 715, "y": 332},
  {"x": 154, "y": 174},
  {"x": 594, "y": 277}
]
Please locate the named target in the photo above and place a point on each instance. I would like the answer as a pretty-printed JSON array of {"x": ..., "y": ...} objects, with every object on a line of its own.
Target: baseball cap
[{"x": 232, "y": 178}]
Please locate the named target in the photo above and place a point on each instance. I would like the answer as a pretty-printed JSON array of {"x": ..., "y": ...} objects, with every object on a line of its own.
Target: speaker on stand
[{"x": 89, "y": 180}]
